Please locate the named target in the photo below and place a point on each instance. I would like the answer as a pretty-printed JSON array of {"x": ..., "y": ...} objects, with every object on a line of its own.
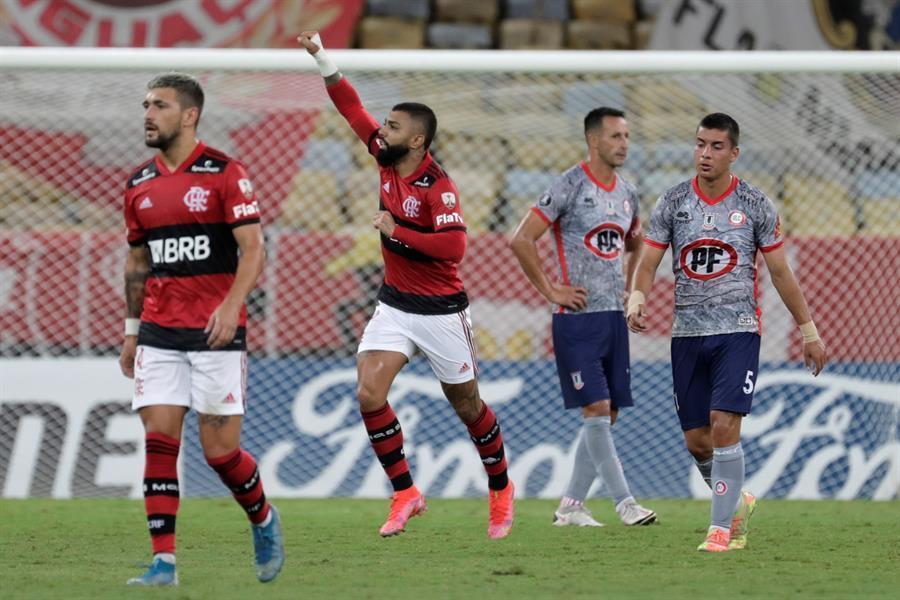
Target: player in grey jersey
[
  {"x": 715, "y": 224},
  {"x": 594, "y": 216}
]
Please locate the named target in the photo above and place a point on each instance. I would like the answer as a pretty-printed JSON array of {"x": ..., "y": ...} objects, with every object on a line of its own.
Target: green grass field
[{"x": 88, "y": 548}]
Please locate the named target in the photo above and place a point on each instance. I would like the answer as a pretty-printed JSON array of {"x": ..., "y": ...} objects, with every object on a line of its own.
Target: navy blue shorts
[
  {"x": 592, "y": 358},
  {"x": 713, "y": 372}
]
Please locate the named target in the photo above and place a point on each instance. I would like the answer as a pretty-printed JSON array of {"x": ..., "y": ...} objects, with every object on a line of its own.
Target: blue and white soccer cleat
[
  {"x": 268, "y": 544},
  {"x": 160, "y": 573}
]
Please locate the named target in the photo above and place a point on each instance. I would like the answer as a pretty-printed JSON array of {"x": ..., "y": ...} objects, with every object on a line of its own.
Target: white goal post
[{"x": 820, "y": 136}]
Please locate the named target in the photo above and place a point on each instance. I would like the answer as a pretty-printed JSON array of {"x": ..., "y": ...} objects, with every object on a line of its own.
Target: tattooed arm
[{"x": 137, "y": 266}]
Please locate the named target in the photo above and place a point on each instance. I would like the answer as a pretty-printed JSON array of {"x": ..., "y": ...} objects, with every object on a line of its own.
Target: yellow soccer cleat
[
  {"x": 716, "y": 540},
  {"x": 740, "y": 524}
]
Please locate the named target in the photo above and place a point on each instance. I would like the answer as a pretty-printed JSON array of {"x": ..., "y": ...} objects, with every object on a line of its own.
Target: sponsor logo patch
[
  {"x": 708, "y": 258},
  {"x": 605, "y": 240},
  {"x": 683, "y": 215},
  {"x": 145, "y": 204}
]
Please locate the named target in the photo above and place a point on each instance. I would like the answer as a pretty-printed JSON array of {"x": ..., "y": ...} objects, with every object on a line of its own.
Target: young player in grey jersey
[
  {"x": 715, "y": 223},
  {"x": 594, "y": 216}
]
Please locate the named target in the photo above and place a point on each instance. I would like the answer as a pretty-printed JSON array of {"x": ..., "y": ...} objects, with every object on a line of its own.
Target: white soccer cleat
[
  {"x": 633, "y": 513},
  {"x": 578, "y": 516}
]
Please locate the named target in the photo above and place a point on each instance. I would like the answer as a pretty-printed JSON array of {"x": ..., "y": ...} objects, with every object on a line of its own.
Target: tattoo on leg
[{"x": 215, "y": 421}]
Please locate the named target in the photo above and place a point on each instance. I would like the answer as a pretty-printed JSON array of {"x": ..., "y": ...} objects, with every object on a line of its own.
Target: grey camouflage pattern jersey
[
  {"x": 589, "y": 225},
  {"x": 714, "y": 244}
]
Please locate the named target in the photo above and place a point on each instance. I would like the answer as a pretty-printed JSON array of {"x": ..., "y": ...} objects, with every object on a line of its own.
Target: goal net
[{"x": 823, "y": 145}]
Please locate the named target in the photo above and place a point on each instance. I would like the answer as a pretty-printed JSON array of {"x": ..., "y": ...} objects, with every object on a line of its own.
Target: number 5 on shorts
[{"x": 748, "y": 383}]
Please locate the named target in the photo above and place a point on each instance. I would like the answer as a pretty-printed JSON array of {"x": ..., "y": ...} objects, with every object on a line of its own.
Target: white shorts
[
  {"x": 446, "y": 340},
  {"x": 210, "y": 382}
]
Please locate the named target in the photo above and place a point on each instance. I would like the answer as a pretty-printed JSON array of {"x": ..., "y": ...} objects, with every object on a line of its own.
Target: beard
[
  {"x": 162, "y": 141},
  {"x": 389, "y": 155}
]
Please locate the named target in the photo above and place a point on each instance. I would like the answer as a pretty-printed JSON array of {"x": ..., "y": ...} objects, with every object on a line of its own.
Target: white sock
[
  {"x": 267, "y": 520},
  {"x": 166, "y": 557}
]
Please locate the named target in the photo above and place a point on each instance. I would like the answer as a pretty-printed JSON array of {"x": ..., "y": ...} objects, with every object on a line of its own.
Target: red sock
[
  {"x": 387, "y": 442},
  {"x": 485, "y": 433},
  {"x": 161, "y": 494},
  {"x": 238, "y": 471}
]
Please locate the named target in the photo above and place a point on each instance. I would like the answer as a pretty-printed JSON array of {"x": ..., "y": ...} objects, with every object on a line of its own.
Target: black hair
[
  {"x": 594, "y": 119},
  {"x": 722, "y": 122},
  {"x": 424, "y": 115},
  {"x": 186, "y": 87}
]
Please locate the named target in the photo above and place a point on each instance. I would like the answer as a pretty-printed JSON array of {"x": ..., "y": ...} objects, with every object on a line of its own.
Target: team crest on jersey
[
  {"x": 576, "y": 380},
  {"x": 449, "y": 199},
  {"x": 708, "y": 258},
  {"x": 195, "y": 199},
  {"x": 246, "y": 188},
  {"x": 709, "y": 221},
  {"x": 411, "y": 206},
  {"x": 610, "y": 207},
  {"x": 605, "y": 240},
  {"x": 736, "y": 218}
]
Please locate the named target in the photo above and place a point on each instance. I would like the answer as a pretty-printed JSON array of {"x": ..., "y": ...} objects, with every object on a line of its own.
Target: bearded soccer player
[
  {"x": 594, "y": 215},
  {"x": 422, "y": 303},
  {"x": 196, "y": 251},
  {"x": 715, "y": 223}
]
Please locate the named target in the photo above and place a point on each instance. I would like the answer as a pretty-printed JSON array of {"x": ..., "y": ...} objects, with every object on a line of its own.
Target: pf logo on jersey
[
  {"x": 708, "y": 258},
  {"x": 195, "y": 199},
  {"x": 605, "y": 240}
]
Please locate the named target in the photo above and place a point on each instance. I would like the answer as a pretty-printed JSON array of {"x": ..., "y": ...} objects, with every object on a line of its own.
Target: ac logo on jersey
[
  {"x": 708, "y": 258},
  {"x": 605, "y": 240},
  {"x": 195, "y": 199},
  {"x": 411, "y": 206}
]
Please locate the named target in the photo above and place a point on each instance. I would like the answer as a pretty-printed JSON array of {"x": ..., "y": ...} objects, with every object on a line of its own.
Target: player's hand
[
  {"x": 571, "y": 297},
  {"x": 384, "y": 222},
  {"x": 126, "y": 358},
  {"x": 305, "y": 40},
  {"x": 636, "y": 320},
  {"x": 625, "y": 296},
  {"x": 222, "y": 325},
  {"x": 815, "y": 356}
]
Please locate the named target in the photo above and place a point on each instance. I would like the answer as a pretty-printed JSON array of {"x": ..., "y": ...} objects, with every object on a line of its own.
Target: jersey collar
[
  {"x": 714, "y": 201},
  {"x": 194, "y": 155},
  {"x": 597, "y": 182},
  {"x": 426, "y": 162}
]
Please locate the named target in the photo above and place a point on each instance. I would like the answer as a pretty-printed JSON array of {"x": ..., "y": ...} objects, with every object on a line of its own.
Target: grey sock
[
  {"x": 705, "y": 468},
  {"x": 728, "y": 479},
  {"x": 599, "y": 442},
  {"x": 583, "y": 472}
]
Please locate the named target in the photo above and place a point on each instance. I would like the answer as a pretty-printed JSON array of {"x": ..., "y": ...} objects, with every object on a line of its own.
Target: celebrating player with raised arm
[
  {"x": 715, "y": 223},
  {"x": 422, "y": 302},
  {"x": 594, "y": 213},
  {"x": 196, "y": 251}
]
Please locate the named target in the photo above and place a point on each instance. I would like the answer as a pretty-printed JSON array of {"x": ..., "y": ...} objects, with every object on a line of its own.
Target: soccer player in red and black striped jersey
[
  {"x": 422, "y": 303},
  {"x": 196, "y": 251}
]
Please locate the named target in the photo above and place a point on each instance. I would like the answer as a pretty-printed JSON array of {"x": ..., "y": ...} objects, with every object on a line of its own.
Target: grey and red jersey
[
  {"x": 590, "y": 222},
  {"x": 714, "y": 243}
]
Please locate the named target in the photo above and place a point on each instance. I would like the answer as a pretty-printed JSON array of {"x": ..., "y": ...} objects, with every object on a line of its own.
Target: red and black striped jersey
[
  {"x": 185, "y": 218},
  {"x": 422, "y": 257}
]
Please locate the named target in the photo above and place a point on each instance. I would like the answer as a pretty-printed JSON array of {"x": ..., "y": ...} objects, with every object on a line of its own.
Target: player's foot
[
  {"x": 268, "y": 545},
  {"x": 740, "y": 523},
  {"x": 577, "y": 515},
  {"x": 716, "y": 540},
  {"x": 159, "y": 573},
  {"x": 633, "y": 513},
  {"x": 405, "y": 504},
  {"x": 500, "y": 506}
]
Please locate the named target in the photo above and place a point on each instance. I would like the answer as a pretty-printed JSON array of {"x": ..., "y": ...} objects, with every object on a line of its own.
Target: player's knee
[
  {"x": 597, "y": 409},
  {"x": 368, "y": 398}
]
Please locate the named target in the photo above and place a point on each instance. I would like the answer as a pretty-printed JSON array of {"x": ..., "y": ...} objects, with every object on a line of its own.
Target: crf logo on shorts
[
  {"x": 605, "y": 240},
  {"x": 173, "y": 250},
  {"x": 708, "y": 258}
]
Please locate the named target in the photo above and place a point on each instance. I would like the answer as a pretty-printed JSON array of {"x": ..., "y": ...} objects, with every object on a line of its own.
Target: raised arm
[
  {"x": 814, "y": 354},
  {"x": 344, "y": 96}
]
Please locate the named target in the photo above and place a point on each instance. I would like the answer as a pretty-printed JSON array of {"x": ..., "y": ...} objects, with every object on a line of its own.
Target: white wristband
[
  {"x": 326, "y": 67},
  {"x": 809, "y": 331},
  {"x": 635, "y": 300},
  {"x": 132, "y": 326}
]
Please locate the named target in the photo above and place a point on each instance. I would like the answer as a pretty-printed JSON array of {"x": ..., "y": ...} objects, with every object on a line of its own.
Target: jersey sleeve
[
  {"x": 554, "y": 202},
  {"x": 239, "y": 198},
  {"x": 767, "y": 227},
  {"x": 635, "y": 229},
  {"x": 443, "y": 202},
  {"x": 133, "y": 229},
  {"x": 348, "y": 103},
  {"x": 659, "y": 233}
]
